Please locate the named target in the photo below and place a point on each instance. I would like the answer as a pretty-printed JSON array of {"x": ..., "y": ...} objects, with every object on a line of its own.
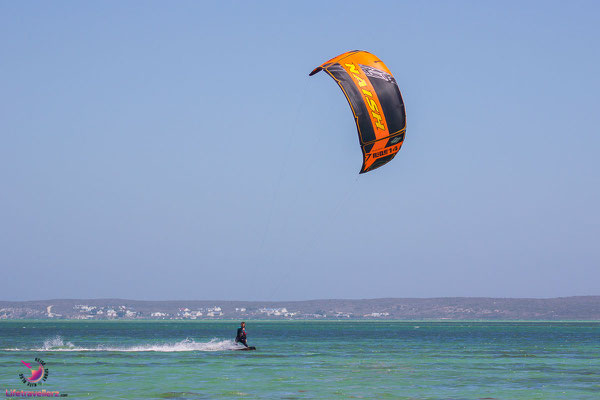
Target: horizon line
[{"x": 299, "y": 301}]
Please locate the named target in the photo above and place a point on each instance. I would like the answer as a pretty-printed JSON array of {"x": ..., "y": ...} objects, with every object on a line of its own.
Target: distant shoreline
[{"x": 575, "y": 308}]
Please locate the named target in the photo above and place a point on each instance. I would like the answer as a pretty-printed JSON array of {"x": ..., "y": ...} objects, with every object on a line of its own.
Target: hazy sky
[{"x": 179, "y": 150}]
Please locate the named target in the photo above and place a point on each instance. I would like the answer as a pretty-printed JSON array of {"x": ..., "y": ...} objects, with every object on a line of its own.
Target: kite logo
[
  {"x": 39, "y": 373},
  {"x": 395, "y": 140},
  {"x": 375, "y": 113}
]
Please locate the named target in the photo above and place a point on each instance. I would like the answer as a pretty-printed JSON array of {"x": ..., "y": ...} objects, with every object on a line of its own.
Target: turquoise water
[{"x": 307, "y": 360}]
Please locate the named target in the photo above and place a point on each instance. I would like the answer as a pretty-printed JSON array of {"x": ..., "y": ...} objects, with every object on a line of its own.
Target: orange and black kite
[{"x": 376, "y": 103}]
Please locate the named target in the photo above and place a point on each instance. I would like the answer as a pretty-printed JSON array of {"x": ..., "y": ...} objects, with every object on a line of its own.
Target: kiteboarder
[{"x": 241, "y": 334}]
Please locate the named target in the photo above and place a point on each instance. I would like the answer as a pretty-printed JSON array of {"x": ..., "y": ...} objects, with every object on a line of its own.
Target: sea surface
[{"x": 306, "y": 359}]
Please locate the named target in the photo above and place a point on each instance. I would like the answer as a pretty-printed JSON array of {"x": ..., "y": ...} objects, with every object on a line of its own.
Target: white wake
[{"x": 58, "y": 344}]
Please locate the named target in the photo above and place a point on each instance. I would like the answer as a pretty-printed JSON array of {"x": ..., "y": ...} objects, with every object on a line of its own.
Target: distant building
[
  {"x": 340, "y": 314},
  {"x": 377, "y": 314},
  {"x": 158, "y": 314}
]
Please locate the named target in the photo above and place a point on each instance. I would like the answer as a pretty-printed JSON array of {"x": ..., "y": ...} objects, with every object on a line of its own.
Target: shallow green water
[{"x": 307, "y": 360}]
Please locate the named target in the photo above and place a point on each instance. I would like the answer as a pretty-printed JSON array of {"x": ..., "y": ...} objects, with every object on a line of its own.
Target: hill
[{"x": 455, "y": 308}]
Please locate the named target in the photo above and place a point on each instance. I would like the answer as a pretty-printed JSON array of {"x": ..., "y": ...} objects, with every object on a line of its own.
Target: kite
[{"x": 376, "y": 103}]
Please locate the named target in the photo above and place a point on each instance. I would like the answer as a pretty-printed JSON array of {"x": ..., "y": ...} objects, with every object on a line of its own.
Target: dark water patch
[
  {"x": 182, "y": 395},
  {"x": 101, "y": 374},
  {"x": 519, "y": 355},
  {"x": 118, "y": 363},
  {"x": 259, "y": 355}
]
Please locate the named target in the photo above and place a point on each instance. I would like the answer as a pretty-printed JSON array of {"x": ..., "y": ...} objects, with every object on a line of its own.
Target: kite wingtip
[{"x": 314, "y": 71}]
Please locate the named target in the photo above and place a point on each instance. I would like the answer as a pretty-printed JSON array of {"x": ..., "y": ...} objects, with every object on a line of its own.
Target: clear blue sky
[{"x": 179, "y": 150}]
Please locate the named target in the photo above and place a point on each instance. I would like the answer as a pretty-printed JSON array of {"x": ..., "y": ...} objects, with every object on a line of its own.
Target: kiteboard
[{"x": 246, "y": 348}]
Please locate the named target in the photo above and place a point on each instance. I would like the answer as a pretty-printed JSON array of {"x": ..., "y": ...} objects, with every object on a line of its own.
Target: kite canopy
[{"x": 375, "y": 101}]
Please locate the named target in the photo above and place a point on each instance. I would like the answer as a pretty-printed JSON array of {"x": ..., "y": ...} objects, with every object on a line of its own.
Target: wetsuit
[{"x": 241, "y": 336}]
